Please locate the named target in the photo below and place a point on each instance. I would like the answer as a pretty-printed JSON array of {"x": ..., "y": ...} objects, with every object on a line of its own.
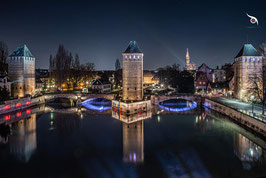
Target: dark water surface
[{"x": 52, "y": 144}]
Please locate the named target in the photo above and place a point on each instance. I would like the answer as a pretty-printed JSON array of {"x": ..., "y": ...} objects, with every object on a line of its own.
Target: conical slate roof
[
  {"x": 247, "y": 50},
  {"x": 133, "y": 48},
  {"x": 22, "y": 51}
]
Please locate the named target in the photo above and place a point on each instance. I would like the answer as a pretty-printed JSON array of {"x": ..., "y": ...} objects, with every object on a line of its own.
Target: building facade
[
  {"x": 189, "y": 66},
  {"x": 21, "y": 72},
  {"x": 218, "y": 75},
  {"x": 102, "y": 86},
  {"x": 247, "y": 63},
  {"x": 5, "y": 83},
  {"x": 132, "y": 73},
  {"x": 201, "y": 83}
]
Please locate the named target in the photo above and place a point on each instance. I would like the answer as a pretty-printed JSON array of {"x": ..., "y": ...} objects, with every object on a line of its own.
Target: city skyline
[{"x": 99, "y": 31}]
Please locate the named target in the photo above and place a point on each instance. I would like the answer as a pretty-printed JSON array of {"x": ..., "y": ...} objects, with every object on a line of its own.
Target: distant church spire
[{"x": 187, "y": 57}]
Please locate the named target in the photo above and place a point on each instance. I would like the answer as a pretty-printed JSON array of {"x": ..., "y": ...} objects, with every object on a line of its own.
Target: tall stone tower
[
  {"x": 21, "y": 72},
  {"x": 248, "y": 63},
  {"x": 132, "y": 73}
]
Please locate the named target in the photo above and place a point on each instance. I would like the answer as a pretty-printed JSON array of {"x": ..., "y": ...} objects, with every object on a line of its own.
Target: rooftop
[
  {"x": 247, "y": 50},
  {"x": 22, "y": 51},
  {"x": 133, "y": 48}
]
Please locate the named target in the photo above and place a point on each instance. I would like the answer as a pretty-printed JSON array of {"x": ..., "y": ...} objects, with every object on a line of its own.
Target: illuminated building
[
  {"x": 149, "y": 78},
  {"x": 132, "y": 73},
  {"x": 189, "y": 66},
  {"x": 132, "y": 100},
  {"x": 133, "y": 142},
  {"x": 21, "y": 72},
  {"x": 101, "y": 85},
  {"x": 205, "y": 69},
  {"x": 247, "y": 62}
]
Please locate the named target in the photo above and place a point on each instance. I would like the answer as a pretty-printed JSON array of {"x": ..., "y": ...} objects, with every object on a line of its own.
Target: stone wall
[
  {"x": 19, "y": 104},
  {"x": 241, "y": 118}
]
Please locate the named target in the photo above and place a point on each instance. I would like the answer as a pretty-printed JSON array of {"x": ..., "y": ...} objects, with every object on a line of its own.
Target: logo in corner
[{"x": 253, "y": 19}]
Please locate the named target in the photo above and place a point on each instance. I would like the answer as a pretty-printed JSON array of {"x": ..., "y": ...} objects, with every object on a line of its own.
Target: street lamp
[{"x": 252, "y": 99}]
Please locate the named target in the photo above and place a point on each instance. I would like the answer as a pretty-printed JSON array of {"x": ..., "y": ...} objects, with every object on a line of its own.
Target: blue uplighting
[
  {"x": 95, "y": 104},
  {"x": 164, "y": 105}
]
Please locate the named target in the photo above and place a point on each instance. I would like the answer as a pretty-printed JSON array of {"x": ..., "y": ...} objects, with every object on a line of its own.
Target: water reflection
[
  {"x": 22, "y": 141},
  {"x": 133, "y": 142},
  {"x": 132, "y": 117},
  {"x": 247, "y": 151}
]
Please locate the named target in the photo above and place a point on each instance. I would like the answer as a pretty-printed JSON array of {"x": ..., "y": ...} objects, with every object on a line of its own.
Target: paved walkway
[{"x": 243, "y": 107}]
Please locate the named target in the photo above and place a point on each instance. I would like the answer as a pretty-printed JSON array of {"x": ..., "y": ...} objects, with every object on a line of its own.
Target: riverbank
[
  {"x": 239, "y": 117},
  {"x": 20, "y": 104}
]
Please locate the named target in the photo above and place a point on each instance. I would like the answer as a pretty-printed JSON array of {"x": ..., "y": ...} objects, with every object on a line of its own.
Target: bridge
[
  {"x": 155, "y": 99},
  {"x": 77, "y": 97}
]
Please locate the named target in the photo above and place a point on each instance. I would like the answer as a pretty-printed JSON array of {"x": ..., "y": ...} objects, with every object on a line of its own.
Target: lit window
[
  {"x": 129, "y": 57},
  {"x": 126, "y": 57}
]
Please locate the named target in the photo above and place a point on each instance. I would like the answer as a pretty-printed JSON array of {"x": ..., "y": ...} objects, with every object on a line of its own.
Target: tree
[
  {"x": 262, "y": 50},
  {"x": 117, "y": 65},
  {"x": 63, "y": 61},
  {"x": 255, "y": 87},
  {"x": 169, "y": 75},
  {"x": 4, "y": 94},
  {"x": 76, "y": 71},
  {"x": 186, "y": 82},
  {"x": 3, "y": 52},
  {"x": 3, "y": 58}
]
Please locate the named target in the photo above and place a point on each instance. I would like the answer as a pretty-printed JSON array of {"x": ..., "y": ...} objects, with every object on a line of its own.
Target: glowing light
[
  {"x": 192, "y": 106},
  {"x": 18, "y": 105},
  {"x": 18, "y": 114},
  {"x": 7, "y": 117},
  {"x": 28, "y": 111},
  {"x": 28, "y": 103},
  {"x": 7, "y": 107},
  {"x": 92, "y": 105}
]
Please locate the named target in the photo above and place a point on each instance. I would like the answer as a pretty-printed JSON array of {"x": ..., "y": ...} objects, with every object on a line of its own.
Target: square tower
[
  {"x": 132, "y": 73},
  {"x": 247, "y": 63},
  {"x": 21, "y": 72}
]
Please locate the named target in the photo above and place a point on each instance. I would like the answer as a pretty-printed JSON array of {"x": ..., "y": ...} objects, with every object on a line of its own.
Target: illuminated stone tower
[
  {"x": 132, "y": 73},
  {"x": 21, "y": 72},
  {"x": 248, "y": 63},
  {"x": 132, "y": 102}
]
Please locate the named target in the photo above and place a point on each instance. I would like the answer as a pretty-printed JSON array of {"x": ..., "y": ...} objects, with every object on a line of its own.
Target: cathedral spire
[{"x": 187, "y": 57}]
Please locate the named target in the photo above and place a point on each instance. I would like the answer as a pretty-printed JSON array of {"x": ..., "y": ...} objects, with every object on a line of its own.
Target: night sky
[{"x": 99, "y": 31}]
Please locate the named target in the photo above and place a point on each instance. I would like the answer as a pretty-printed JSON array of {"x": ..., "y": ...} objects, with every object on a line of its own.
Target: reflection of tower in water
[
  {"x": 247, "y": 151},
  {"x": 133, "y": 142},
  {"x": 23, "y": 141}
]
